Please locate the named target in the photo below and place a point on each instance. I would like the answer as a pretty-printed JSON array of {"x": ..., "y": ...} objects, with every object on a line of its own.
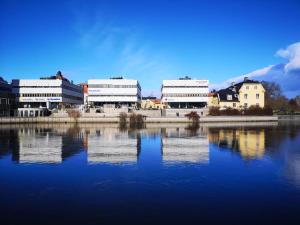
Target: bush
[
  {"x": 193, "y": 116},
  {"x": 230, "y": 112},
  {"x": 258, "y": 111},
  {"x": 214, "y": 111},
  {"x": 123, "y": 120},
  {"x": 73, "y": 113},
  {"x": 136, "y": 120}
]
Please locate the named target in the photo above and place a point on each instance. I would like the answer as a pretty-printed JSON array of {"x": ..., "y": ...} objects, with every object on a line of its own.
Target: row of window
[
  {"x": 113, "y": 95},
  {"x": 184, "y": 95},
  {"x": 245, "y": 105},
  {"x": 39, "y": 95},
  {"x": 113, "y": 86},
  {"x": 248, "y": 87},
  {"x": 246, "y": 96},
  {"x": 49, "y": 95},
  {"x": 4, "y": 101},
  {"x": 167, "y": 86},
  {"x": 78, "y": 90}
]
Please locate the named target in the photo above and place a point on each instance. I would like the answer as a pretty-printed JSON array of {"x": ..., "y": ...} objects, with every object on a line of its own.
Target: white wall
[
  {"x": 116, "y": 94},
  {"x": 181, "y": 87}
]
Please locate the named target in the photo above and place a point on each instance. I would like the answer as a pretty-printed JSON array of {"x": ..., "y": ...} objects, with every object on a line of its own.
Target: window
[
  {"x": 234, "y": 105},
  {"x": 257, "y": 104},
  {"x": 245, "y": 105},
  {"x": 257, "y": 96},
  {"x": 245, "y": 96},
  {"x": 247, "y": 87},
  {"x": 229, "y": 97},
  {"x": 255, "y": 87}
]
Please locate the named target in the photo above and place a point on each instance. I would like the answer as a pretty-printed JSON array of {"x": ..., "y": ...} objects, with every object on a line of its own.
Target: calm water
[{"x": 93, "y": 174}]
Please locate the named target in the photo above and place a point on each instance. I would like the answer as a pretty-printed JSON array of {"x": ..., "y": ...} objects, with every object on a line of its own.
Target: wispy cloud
[
  {"x": 287, "y": 75},
  {"x": 124, "y": 49}
]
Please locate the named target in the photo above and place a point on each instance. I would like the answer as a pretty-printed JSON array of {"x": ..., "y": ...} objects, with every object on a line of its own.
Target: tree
[
  {"x": 293, "y": 106},
  {"x": 273, "y": 91}
]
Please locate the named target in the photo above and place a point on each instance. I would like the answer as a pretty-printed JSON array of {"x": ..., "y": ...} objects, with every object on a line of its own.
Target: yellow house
[
  {"x": 251, "y": 93},
  {"x": 213, "y": 100},
  {"x": 152, "y": 103},
  {"x": 242, "y": 95},
  {"x": 228, "y": 98}
]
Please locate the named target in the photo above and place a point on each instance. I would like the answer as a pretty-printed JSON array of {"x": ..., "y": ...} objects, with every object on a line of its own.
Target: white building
[
  {"x": 114, "y": 93},
  {"x": 185, "y": 93},
  {"x": 47, "y": 92}
]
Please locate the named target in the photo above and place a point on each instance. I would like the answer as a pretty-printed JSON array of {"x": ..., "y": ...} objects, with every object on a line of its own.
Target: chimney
[
  {"x": 232, "y": 83},
  {"x": 245, "y": 78}
]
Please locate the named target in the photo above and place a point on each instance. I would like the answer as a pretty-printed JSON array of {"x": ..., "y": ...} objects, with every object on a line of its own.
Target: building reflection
[
  {"x": 109, "y": 145},
  {"x": 182, "y": 145},
  {"x": 47, "y": 145},
  {"x": 249, "y": 142},
  {"x": 8, "y": 142}
]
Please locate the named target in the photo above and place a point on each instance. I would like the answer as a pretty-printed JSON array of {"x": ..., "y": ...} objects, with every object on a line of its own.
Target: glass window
[
  {"x": 229, "y": 97},
  {"x": 245, "y": 96},
  {"x": 234, "y": 105},
  {"x": 247, "y": 87},
  {"x": 257, "y": 96}
]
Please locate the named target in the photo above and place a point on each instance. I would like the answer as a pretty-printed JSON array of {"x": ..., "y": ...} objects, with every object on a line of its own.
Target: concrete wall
[
  {"x": 149, "y": 113},
  {"x": 183, "y": 112},
  {"x": 208, "y": 119}
]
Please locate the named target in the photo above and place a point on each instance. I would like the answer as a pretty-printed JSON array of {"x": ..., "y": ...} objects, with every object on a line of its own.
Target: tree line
[{"x": 275, "y": 99}]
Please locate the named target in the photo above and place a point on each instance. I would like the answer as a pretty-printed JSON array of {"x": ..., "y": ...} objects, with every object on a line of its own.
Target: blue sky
[{"x": 152, "y": 40}]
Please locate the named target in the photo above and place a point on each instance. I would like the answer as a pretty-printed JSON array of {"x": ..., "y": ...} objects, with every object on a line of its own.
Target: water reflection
[
  {"x": 203, "y": 177},
  {"x": 178, "y": 145},
  {"x": 39, "y": 147},
  {"x": 109, "y": 145},
  {"x": 249, "y": 142}
]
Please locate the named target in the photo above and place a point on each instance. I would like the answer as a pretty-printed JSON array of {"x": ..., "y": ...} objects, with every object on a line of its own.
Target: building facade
[
  {"x": 185, "y": 93},
  {"x": 115, "y": 92},
  {"x": 7, "y": 99},
  {"x": 46, "y": 93},
  {"x": 152, "y": 103},
  {"x": 241, "y": 95}
]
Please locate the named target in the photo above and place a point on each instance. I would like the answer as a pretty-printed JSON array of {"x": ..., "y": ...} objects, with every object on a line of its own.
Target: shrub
[
  {"x": 193, "y": 116},
  {"x": 230, "y": 112},
  {"x": 136, "y": 120},
  {"x": 73, "y": 113},
  {"x": 214, "y": 111},
  {"x": 123, "y": 120},
  {"x": 258, "y": 111}
]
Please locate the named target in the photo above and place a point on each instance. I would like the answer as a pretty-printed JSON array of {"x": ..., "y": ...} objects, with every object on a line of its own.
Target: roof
[
  {"x": 223, "y": 93},
  {"x": 233, "y": 90},
  {"x": 149, "y": 97},
  {"x": 239, "y": 85},
  {"x": 156, "y": 101}
]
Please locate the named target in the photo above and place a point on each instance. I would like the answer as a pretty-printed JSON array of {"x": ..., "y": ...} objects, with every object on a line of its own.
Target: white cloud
[
  {"x": 292, "y": 54},
  {"x": 287, "y": 75}
]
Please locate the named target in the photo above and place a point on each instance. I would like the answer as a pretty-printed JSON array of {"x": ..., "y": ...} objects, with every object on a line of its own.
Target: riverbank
[{"x": 207, "y": 119}]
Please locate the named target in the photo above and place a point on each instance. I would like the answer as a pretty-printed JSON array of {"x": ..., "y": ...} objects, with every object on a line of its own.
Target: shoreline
[{"x": 206, "y": 119}]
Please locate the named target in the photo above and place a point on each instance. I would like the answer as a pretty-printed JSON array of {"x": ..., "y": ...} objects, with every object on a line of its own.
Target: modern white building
[
  {"x": 185, "y": 93},
  {"x": 115, "y": 92},
  {"x": 50, "y": 92}
]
